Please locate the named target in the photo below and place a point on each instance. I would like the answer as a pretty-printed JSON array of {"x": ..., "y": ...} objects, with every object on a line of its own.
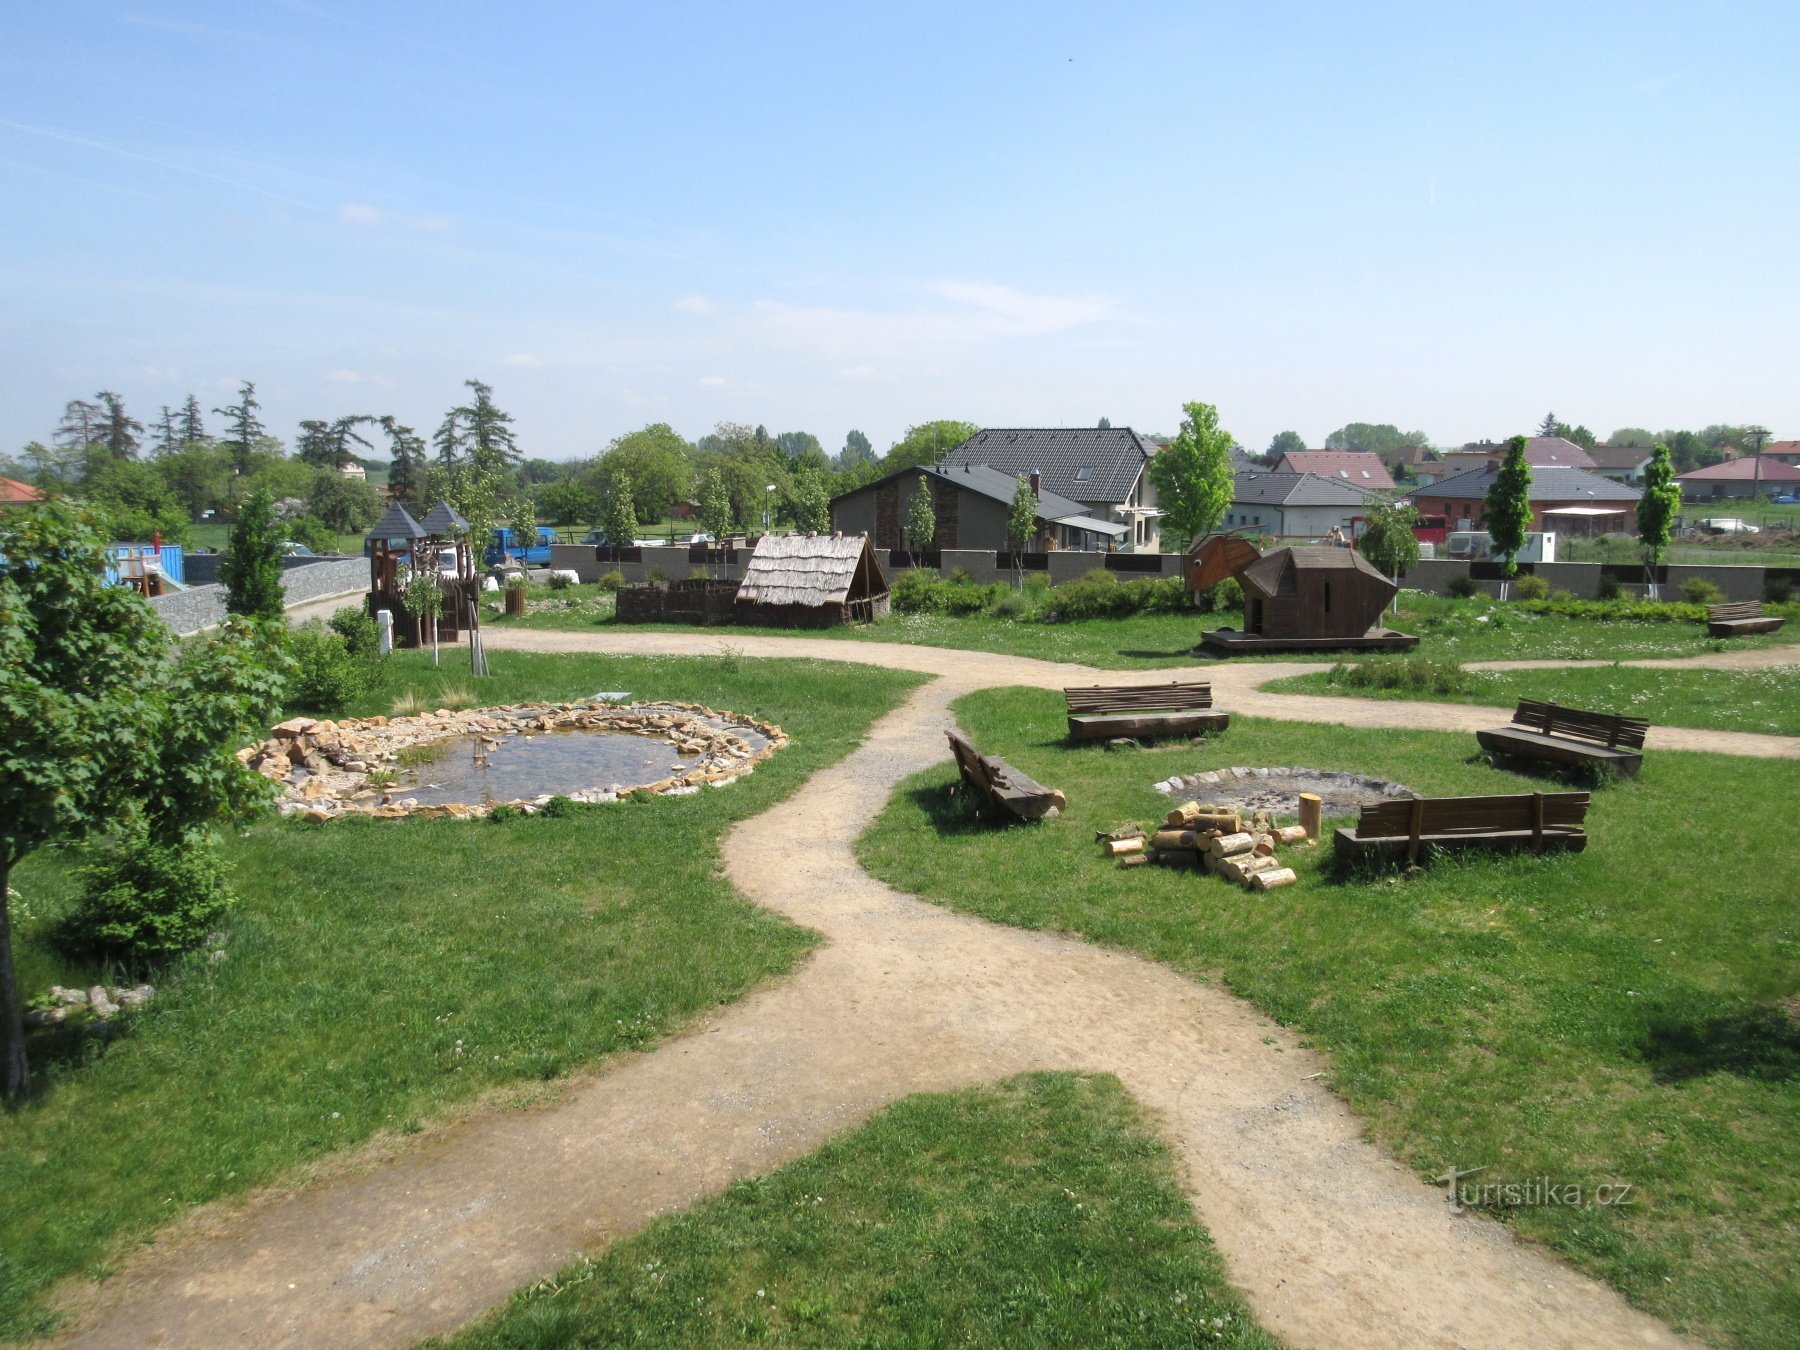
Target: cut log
[
  {"x": 1312, "y": 810},
  {"x": 1123, "y": 832},
  {"x": 1290, "y": 834},
  {"x": 1173, "y": 839},
  {"x": 1135, "y": 860},
  {"x": 1118, "y": 847},
  {"x": 1265, "y": 845},
  {"x": 1228, "y": 844},
  {"x": 1246, "y": 865},
  {"x": 1269, "y": 880},
  {"x": 1182, "y": 816}
]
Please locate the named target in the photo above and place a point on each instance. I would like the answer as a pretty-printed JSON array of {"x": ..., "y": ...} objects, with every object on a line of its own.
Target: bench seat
[
  {"x": 1538, "y": 822},
  {"x": 1738, "y": 619},
  {"x": 1552, "y": 734},
  {"x": 1000, "y": 784},
  {"x": 1104, "y": 712}
]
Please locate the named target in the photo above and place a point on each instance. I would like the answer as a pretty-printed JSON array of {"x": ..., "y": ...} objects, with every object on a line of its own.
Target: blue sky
[{"x": 817, "y": 217}]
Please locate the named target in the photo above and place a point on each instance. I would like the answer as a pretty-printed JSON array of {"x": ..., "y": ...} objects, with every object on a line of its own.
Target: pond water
[{"x": 466, "y": 770}]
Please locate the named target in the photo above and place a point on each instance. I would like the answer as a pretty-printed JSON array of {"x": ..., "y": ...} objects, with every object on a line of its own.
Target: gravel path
[{"x": 1333, "y": 1242}]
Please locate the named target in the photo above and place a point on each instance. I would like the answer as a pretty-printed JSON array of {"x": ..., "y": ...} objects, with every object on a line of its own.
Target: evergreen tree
[
  {"x": 168, "y": 435},
  {"x": 343, "y": 434},
  {"x": 80, "y": 425},
  {"x": 251, "y": 570},
  {"x": 1657, "y": 508},
  {"x": 1509, "y": 505},
  {"x": 119, "y": 432},
  {"x": 483, "y": 429},
  {"x": 408, "y": 449},
  {"x": 193, "y": 430},
  {"x": 313, "y": 444},
  {"x": 921, "y": 516},
  {"x": 243, "y": 428},
  {"x": 450, "y": 439},
  {"x": 1549, "y": 426}
]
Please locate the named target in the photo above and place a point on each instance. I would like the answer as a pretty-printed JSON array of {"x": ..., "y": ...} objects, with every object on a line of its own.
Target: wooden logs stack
[{"x": 1217, "y": 839}]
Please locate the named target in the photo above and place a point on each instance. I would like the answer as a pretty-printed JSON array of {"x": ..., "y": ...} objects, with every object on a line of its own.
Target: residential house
[
  {"x": 1568, "y": 501},
  {"x": 1621, "y": 463},
  {"x": 1541, "y": 452},
  {"x": 349, "y": 468},
  {"x": 15, "y": 493},
  {"x": 1739, "y": 480},
  {"x": 1788, "y": 452},
  {"x": 1104, "y": 469},
  {"x": 973, "y": 503},
  {"x": 1295, "y": 505},
  {"x": 1360, "y": 468}
]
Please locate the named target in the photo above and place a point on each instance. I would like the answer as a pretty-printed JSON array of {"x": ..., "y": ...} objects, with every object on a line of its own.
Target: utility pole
[{"x": 1759, "y": 435}]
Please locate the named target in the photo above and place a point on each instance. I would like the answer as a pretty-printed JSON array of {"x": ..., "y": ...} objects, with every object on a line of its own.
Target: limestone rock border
[
  {"x": 323, "y": 767},
  {"x": 1343, "y": 792}
]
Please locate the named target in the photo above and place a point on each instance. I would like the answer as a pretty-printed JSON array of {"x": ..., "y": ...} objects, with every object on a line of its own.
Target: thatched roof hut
[{"x": 812, "y": 581}]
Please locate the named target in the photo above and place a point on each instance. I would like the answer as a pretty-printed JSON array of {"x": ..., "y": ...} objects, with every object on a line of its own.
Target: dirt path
[{"x": 1332, "y": 1241}]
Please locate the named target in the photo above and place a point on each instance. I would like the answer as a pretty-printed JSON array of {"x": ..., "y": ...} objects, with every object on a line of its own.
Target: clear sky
[{"x": 1453, "y": 217}]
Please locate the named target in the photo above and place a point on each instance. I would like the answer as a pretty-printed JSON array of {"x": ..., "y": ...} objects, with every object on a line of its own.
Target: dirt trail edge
[{"x": 1333, "y": 1242}]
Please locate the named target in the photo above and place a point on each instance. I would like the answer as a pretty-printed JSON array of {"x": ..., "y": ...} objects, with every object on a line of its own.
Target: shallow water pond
[{"x": 466, "y": 770}]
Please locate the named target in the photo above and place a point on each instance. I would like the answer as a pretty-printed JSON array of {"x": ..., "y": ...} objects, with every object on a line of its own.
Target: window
[{"x": 1085, "y": 472}]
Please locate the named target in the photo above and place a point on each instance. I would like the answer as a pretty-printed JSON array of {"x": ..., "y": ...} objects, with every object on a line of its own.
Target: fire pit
[{"x": 1276, "y": 791}]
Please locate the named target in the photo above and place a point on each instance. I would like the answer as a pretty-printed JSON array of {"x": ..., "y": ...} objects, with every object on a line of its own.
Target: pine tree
[
  {"x": 251, "y": 569},
  {"x": 118, "y": 432},
  {"x": 243, "y": 429},
  {"x": 480, "y": 428},
  {"x": 192, "y": 428},
  {"x": 1509, "y": 505},
  {"x": 168, "y": 435},
  {"x": 408, "y": 450},
  {"x": 450, "y": 439},
  {"x": 1550, "y": 426},
  {"x": 313, "y": 444},
  {"x": 80, "y": 425}
]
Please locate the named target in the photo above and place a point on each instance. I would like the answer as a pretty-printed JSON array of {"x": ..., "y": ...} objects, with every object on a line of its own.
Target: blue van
[{"x": 503, "y": 547}]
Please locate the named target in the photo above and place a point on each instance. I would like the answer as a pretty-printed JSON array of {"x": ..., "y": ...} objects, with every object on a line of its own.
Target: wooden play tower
[{"x": 401, "y": 548}]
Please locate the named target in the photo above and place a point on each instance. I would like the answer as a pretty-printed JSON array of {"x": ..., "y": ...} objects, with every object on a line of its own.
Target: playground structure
[
  {"x": 149, "y": 569},
  {"x": 1297, "y": 599},
  {"x": 401, "y": 549}
]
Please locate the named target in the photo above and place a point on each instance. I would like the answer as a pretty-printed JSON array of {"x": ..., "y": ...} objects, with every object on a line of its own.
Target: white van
[{"x": 1478, "y": 546}]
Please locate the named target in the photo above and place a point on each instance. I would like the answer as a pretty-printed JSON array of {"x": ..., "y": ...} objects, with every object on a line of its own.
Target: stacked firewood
[{"x": 1217, "y": 838}]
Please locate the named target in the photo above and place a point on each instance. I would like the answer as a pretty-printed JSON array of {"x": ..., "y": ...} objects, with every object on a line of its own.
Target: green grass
[
  {"x": 1041, "y": 1211},
  {"x": 217, "y": 536},
  {"x": 1610, "y": 1017},
  {"x": 1724, "y": 700},
  {"x": 385, "y": 973}
]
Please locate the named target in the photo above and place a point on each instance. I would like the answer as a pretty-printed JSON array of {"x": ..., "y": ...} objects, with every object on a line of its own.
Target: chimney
[{"x": 1037, "y": 482}]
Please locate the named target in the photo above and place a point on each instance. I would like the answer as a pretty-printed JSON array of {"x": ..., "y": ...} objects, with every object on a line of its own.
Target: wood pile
[{"x": 1218, "y": 839}]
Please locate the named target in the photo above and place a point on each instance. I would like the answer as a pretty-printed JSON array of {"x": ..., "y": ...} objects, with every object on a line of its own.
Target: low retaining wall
[
  {"x": 1583, "y": 579},
  {"x": 202, "y": 607}
]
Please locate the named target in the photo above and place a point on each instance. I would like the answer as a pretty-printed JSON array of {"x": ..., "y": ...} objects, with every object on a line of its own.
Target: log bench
[
  {"x": 1101, "y": 712},
  {"x": 1744, "y": 617},
  {"x": 998, "y": 782},
  {"x": 1543, "y": 822},
  {"x": 1553, "y": 734}
]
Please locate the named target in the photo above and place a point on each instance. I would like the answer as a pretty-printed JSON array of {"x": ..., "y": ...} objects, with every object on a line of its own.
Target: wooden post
[{"x": 1312, "y": 807}]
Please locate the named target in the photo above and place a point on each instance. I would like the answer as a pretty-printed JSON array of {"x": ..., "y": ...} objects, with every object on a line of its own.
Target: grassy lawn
[
  {"x": 384, "y": 974},
  {"x": 1727, "y": 700},
  {"x": 217, "y": 536},
  {"x": 1041, "y": 1211},
  {"x": 1622, "y": 1016}
]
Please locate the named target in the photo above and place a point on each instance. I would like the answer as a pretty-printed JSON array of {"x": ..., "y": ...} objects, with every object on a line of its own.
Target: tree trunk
[{"x": 18, "y": 1072}]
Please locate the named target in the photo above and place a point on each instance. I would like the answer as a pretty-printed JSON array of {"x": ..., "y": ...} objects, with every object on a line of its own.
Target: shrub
[
  {"x": 1227, "y": 595},
  {"x": 1421, "y": 674},
  {"x": 1700, "y": 591},
  {"x": 1101, "y": 595},
  {"x": 1530, "y": 588},
  {"x": 1609, "y": 587},
  {"x": 611, "y": 581},
  {"x": 1462, "y": 586},
  {"x": 559, "y": 581},
  {"x": 1010, "y": 605},
  {"x": 924, "y": 592},
  {"x": 326, "y": 675},
  {"x": 142, "y": 901},
  {"x": 1777, "y": 591},
  {"x": 356, "y": 626}
]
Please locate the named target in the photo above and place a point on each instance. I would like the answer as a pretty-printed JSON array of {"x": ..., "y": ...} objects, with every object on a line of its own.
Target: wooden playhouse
[
  {"x": 1310, "y": 599},
  {"x": 812, "y": 581}
]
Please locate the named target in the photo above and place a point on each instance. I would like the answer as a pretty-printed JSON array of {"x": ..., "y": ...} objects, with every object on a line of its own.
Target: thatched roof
[{"x": 811, "y": 569}]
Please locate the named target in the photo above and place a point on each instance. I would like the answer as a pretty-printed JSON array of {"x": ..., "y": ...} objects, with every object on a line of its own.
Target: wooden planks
[
  {"x": 1734, "y": 620},
  {"x": 1001, "y": 784},
  {"x": 1106, "y": 698},
  {"x": 1101, "y": 712},
  {"x": 1608, "y": 729},
  {"x": 1543, "y": 822}
]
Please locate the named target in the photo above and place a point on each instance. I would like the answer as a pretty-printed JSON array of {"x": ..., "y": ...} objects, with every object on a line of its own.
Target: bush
[
  {"x": 1700, "y": 591},
  {"x": 1420, "y": 674},
  {"x": 356, "y": 626},
  {"x": 326, "y": 676},
  {"x": 313, "y": 532},
  {"x": 1101, "y": 595},
  {"x": 1609, "y": 587},
  {"x": 1530, "y": 588},
  {"x": 611, "y": 581},
  {"x": 559, "y": 581},
  {"x": 1010, "y": 605},
  {"x": 142, "y": 901},
  {"x": 1777, "y": 591},
  {"x": 1226, "y": 595},
  {"x": 923, "y": 592},
  {"x": 1462, "y": 587}
]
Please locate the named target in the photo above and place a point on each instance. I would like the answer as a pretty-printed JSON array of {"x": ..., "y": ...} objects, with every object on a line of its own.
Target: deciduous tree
[
  {"x": 927, "y": 443},
  {"x": 921, "y": 516},
  {"x": 251, "y": 571},
  {"x": 1192, "y": 474},
  {"x": 618, "y": 516},
  {"x": 1388, "y": 540},
  {"x": 655, "y": 460},
  {"x": 1285, "y": 443},
  {"x": 715, "y": 509},
  {"x": 1657, "y": 508},
  {"x": 1509, "y": 505},
  {"x": 810, "y": 503},
  {"x": 1021, "y": 526}
]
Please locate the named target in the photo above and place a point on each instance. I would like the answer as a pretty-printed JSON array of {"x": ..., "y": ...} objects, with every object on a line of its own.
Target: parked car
[
  {"x": 596, "y": 539},
  {"x": 1728, "y": 525},
  {"x": 1787, "y": 499},
  {"x": 504, "y": 547},
  {"x": 294, "y": 550}
]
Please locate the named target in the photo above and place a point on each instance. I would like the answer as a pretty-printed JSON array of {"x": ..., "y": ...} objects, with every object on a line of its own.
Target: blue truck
[{"x": 503, "y": 546}]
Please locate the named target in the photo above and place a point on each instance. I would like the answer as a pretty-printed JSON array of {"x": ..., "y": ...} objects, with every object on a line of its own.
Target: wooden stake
[{"x": 1312, "y": 808}]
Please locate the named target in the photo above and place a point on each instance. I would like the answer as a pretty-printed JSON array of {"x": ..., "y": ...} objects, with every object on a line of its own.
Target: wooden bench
[
  {"x": 1544, "y": 822},
  {"x": 998, "y": 782},
  {"x": 1744, "y": 617},
  {"x": 1558, "y": 735},
  {"x": 1100, "y": 712}
]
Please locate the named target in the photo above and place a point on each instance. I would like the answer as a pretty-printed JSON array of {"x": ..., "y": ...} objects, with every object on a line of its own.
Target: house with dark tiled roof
[
  {"x": 1295, "y": 505},
  {"x": 1102, "y": 468},
  {"x": 972, "y": 503},
  {"x": 1359, "y": 468},
  {"x": 1788, "y": 452},
  {"x": 1570, "y": 501},
  {"x": 1621, "y": 463}
]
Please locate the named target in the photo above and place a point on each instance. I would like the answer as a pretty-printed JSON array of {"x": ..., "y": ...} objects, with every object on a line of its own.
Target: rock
[
  {"x": 317, "y": 815},
  {"x": 102, "y": 1006},
  {"x": 70, "y": 997},
  {"x": 294, "y": 726},
  {"x": 136, "y": 997},
  {"x": 45, "y": 1017}
]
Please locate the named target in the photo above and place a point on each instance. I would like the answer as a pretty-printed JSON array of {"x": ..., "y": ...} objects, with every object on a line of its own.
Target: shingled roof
[
  {"x": 397, "y": 524},
  {"x": 1261, "y": 488},
  {"x": 1085, "y": 464},
  {"x": 443, "y": 522},
  {"x": 1357, "y": 467},
  {"x": 807, "y": 569}
]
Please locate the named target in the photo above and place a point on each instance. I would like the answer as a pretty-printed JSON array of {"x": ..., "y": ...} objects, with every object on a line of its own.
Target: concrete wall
[
  {"x": 1583, "y": 579},
  {"x": 202, "y": 607}
]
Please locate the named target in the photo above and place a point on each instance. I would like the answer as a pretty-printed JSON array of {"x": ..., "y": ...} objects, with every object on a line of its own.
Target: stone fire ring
[
  {"x": 1276, "y": 791},
  {"x": 322, "y": 767}
]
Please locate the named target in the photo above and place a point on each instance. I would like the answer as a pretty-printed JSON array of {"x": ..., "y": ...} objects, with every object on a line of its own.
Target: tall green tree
[
  {"x": 243, "y": 428},
  {"x": 655, "y": 459},
  {"x": 927, "y": 443},
  {"x": 1377, "y": 438},
  {"x": 1632, "y": 436},
  {"x": 618, "y": 516},
  {"x": 101, "y": 731},
  {"x": 567, "y": 503},
  {"x": 715, "y": 509},
  {"x": 1021, "y": 526},
  {"x": 1388, "y": 540},
  {"x": 480, "y": 495},
  {"x": 1509, "y": 505},
  {"x": 810, "y": 503},
  {"x": 313, "y": 444},
  {"x": 193, "y": 428},
  {"x": 407, "y": 448},
  {"x": 168, "y": 435},
  {"x": 857, "y": 450},
  {"x": 80, "y": 425},
  {"x": 480, "y": 430},
  {"x": 1285, "y": 443},
  {"x": 801, "y": 451},
  {"x": 921, "y": 516},
  {"x": 1656, "y": 509},
  {"x": 119, "y": 431},
  {"x": 1192, "y": 474},
  {"x": 346, "y": 505},
  {"x": 1548, "y": 427},
  {"x": 251, "y": 570}
]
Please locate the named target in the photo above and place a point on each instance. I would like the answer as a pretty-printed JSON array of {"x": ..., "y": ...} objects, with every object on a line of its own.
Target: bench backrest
[
  {"x": 1742, "y": 609},
  {"x": 1171, "y": 697},
  {"x": 1472, "y": 815},
  {"x": 1608, "y": 729},
  {"x": 973, "y": 765}
]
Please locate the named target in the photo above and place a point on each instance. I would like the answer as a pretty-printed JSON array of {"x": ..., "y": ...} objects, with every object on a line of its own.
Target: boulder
[
  {"x": 136, "y": 997},
  {"x": 294, "y": 726},
  {"x": 45, "y": 1017},
  {"x": 103, "y": 1007}
]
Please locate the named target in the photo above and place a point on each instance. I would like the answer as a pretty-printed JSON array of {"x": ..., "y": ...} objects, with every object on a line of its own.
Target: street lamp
[{"x": 767, "y": 501}]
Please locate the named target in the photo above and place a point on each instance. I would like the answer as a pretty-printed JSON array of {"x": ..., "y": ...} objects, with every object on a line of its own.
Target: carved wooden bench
[
  {"x": 998, "y": 782},
  {"x": 1744, "y": 617},
  {"x": 1543, "y": 822},
  {"x": 1554, "y": 734},
  {"x": 1099, "y": 712}
]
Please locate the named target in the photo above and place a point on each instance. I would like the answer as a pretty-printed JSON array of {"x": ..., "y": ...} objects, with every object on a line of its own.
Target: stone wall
[{"x": 202, "y": 607}]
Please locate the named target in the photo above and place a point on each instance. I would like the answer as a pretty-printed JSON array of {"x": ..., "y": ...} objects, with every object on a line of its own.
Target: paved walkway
[{"x": 1333, "y": 1243}]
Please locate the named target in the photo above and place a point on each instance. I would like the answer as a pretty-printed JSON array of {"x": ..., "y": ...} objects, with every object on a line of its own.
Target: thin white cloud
[
  {"x": 523, "y": 360},
  {"x": 976, "y": 313},
  {"x": 343, "y": 377},
  {"x": 360, "y": 213},
  {"x": 714, "y": 381},
  {"x": 696, "y": 304}
]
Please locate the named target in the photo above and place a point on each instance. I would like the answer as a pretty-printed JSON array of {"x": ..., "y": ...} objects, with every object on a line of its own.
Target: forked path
[{"x": 1333, "y": 1243}]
